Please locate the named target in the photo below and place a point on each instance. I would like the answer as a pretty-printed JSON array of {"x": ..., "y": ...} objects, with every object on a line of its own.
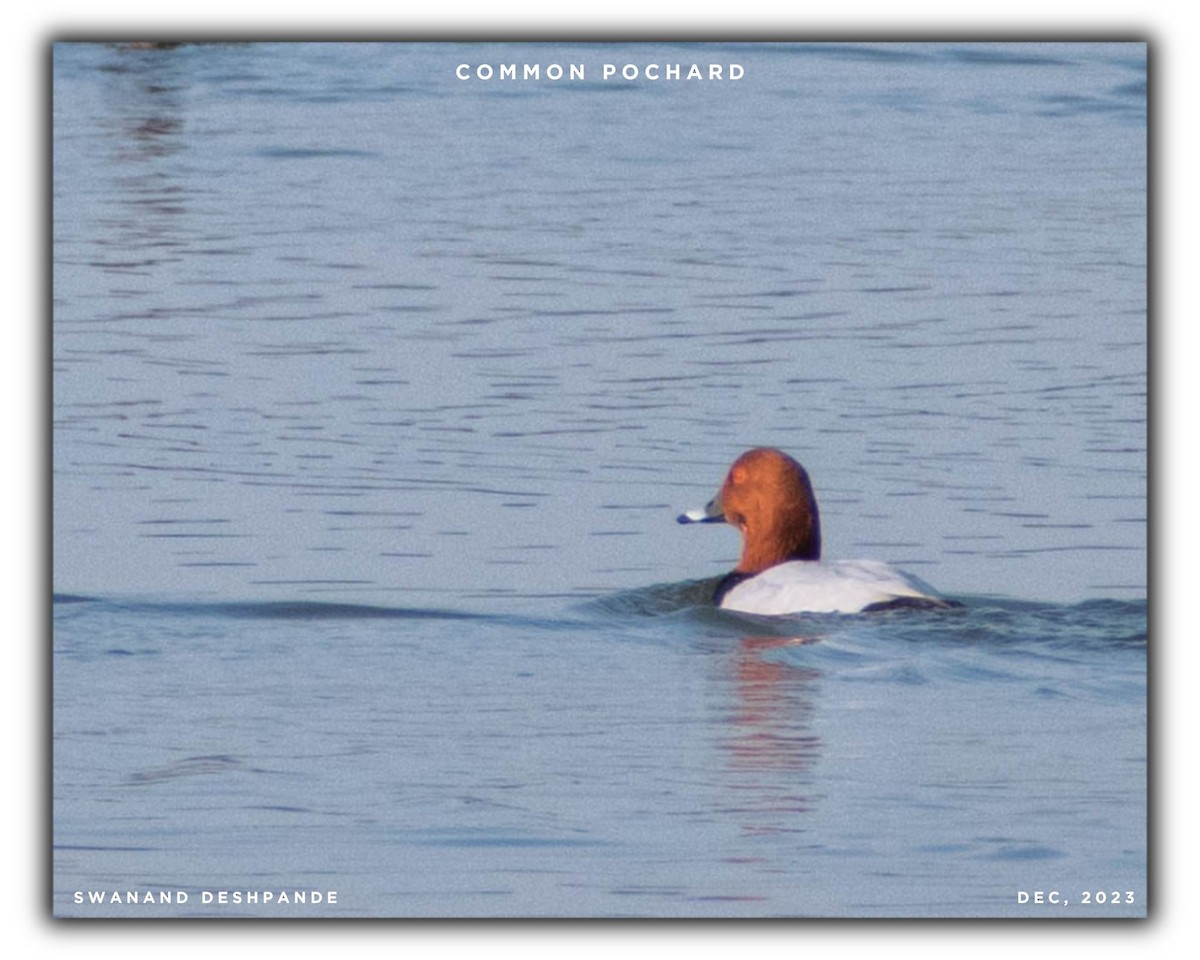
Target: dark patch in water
[
  {"x": 1026, "y": 852},
  {"x": 660, "y": 599},
  {"x": 1002, "y": 58},
  {"x": 296, "y": 153},
  {"x": 301, "y": 610},
  {"x": 72, "y": 598},
  {"x": 309, "y": 610},
  {"x": 188, "y": 767}
]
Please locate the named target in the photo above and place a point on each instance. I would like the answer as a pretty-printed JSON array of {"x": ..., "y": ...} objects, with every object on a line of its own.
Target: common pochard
[{"x": 768, "y": 497}]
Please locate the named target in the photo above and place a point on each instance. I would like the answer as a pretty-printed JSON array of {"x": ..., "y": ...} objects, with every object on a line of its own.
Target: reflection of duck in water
[{"x": 768, "y": 497}]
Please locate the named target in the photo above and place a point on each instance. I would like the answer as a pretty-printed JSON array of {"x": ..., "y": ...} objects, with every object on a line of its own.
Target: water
[{"x": 376, "y": 393}]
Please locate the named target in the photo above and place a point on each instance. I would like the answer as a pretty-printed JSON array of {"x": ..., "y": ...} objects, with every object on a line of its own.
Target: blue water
[{"x": 376, "y": 393}]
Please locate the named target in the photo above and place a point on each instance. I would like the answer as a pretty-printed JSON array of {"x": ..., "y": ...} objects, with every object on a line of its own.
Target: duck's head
[{"x": 768, "y": 497}]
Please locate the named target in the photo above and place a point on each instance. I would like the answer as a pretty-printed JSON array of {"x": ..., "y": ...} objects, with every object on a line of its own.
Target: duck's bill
[{"x": 710, "y": 514}]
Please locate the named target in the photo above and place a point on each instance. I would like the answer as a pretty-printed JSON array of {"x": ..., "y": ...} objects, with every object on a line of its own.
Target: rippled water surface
[{"x": 377, "y": 391}]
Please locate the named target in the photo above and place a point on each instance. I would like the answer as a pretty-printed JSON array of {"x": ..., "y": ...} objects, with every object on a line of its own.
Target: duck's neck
[{"x": 797, "y": 538}]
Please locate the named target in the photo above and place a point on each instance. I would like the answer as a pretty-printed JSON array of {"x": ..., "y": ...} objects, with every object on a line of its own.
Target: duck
[{"x": 769, "y": 498}]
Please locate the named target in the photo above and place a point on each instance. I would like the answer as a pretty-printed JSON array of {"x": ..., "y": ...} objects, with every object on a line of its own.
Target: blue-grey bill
[{"x": 700, "y": 516}]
